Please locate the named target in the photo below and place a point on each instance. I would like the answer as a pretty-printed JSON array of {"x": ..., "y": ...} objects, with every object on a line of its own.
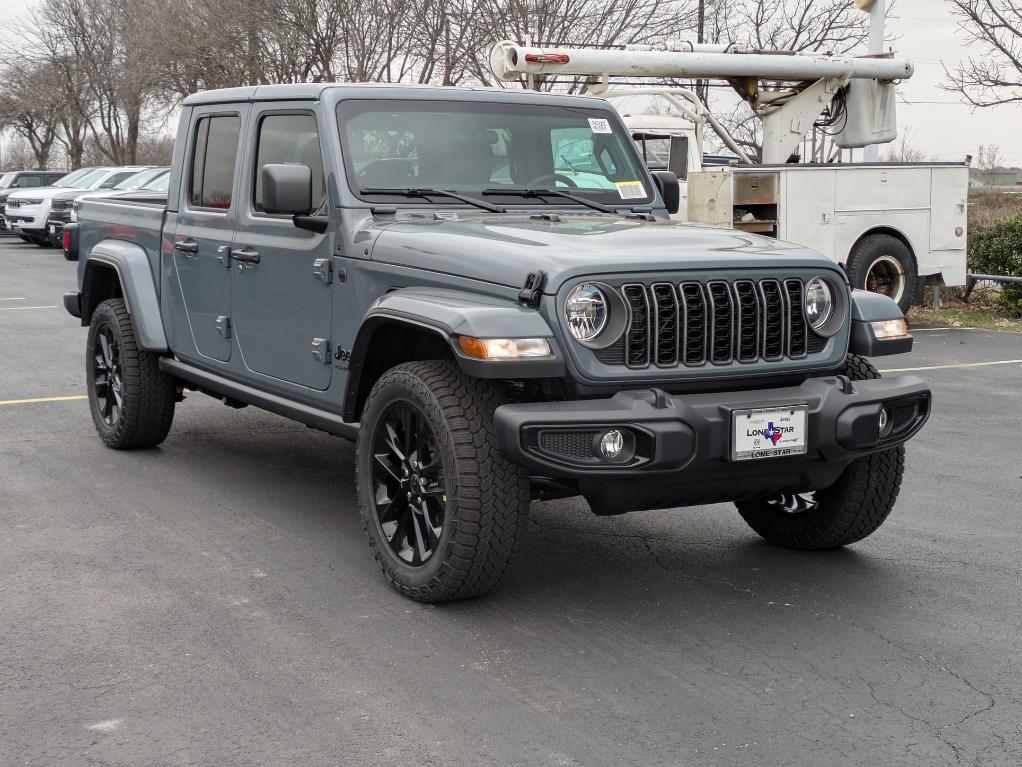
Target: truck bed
[{"x": 134, "y": 218}]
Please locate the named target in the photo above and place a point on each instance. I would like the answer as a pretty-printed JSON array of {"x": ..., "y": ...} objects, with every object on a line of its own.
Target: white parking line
[
  {"x": 953, "y": 367},
  {"x": 23, "y": 308},
  {"x": 933, "y": 330},
  {"x": 12, "y": 299}
]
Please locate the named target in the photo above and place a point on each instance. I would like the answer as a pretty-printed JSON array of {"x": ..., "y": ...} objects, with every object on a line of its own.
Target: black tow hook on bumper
[{"x": 647, "y": 449}]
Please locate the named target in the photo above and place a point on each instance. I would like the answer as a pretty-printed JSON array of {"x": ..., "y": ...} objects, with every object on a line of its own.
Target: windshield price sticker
[
  {"x": 599, "y": 125},
  {"x": 631, "y": 190}
]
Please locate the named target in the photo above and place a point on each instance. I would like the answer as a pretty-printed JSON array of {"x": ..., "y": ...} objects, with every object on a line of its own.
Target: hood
[
  {"x": 71, "y": 194},
  {"x": 504, "y": 248},
  {"x": 44, "y": 193}
]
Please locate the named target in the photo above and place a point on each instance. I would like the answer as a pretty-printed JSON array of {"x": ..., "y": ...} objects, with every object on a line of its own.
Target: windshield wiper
[
  {"x": 541, "y": 193},
  {"x": 426, "y": 193}
]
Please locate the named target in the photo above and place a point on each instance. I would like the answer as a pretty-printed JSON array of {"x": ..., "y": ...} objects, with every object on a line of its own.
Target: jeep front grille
[{"x": 717, "y": 322}]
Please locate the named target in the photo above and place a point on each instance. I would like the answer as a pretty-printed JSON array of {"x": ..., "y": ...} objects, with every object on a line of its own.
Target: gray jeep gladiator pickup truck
[{"x": 483, "y": 289}]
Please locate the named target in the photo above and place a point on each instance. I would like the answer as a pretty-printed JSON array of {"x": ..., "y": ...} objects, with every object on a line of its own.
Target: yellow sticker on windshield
[{"x": 630, "y": 190}]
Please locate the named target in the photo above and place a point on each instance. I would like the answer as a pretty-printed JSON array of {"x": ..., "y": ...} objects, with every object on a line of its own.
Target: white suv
[{"x": 28, "y": 210}]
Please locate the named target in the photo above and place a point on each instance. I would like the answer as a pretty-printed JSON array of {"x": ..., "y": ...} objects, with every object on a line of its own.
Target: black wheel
[
  {"x": 884, "y": 264},
  {"x": 851, "y": 509},
  {"x": 443, "y": 511},
  {"x": 131, "y": 399}
]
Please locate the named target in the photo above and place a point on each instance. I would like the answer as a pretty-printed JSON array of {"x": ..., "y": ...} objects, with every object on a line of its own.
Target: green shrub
[{"x": 997, "y": 249}]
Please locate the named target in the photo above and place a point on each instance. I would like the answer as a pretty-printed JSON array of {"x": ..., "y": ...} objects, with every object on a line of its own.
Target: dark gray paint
[{"x": 279, "y": 308}]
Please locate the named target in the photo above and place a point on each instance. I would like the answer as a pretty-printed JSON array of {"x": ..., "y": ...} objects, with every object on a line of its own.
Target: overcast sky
[
  {"x": 928, "y": 34},
  {"x": 922, "y": 30}
]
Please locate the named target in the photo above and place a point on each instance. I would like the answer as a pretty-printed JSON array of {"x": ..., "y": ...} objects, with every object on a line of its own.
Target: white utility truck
[{"x": 895, "y": 226}]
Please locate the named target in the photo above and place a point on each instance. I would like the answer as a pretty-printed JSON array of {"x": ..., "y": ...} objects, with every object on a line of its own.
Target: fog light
[
  {"x": 884, "y": 422},
  {"x": 612, "y": 444}
]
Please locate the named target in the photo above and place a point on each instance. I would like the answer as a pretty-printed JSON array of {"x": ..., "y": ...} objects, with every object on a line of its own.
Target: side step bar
[{"x": 211, "y": 383}]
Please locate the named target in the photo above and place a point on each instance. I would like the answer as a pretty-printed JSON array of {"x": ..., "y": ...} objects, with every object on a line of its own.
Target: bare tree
[
  {"x": 595, "y": 23},
  {"x": 905, "y": 149},
  {"x": 825, "y": 26},
  {"x": 994, "y": 75},
  {"x": 989, "y": 160},
  {"x": 801, "y": 26},
  {"x": 104, "y": 48},
  {"x": 30, "y": 107},
  {"x": 17, "y": 155}
]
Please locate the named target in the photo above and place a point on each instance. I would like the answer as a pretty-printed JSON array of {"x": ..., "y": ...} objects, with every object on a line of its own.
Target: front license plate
[
  {"x": 53, "y": 229},
  {"x": 768, "y": 432}
]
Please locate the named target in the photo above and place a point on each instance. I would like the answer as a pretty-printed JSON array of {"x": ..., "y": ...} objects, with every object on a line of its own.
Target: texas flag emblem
[{"x": 773, "y": 434}]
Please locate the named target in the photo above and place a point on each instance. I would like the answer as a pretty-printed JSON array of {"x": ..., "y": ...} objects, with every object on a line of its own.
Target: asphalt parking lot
[{"x": 214, "y": 602}]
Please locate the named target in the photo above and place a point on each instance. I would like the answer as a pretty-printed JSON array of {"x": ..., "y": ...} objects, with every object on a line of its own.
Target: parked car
[
  {"x": 62, "y": 204},
  {"x": 28, "y": 211},
  {"x": 24, "y": 179},
  {"x": 487, "y": 332}
]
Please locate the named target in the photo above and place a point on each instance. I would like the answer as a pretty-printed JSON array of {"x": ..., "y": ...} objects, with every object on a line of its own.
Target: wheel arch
[
  {"x": 398, "y": 339},
  {"x": 417, "y": 324},
  {"x": 117, "y": 269}
]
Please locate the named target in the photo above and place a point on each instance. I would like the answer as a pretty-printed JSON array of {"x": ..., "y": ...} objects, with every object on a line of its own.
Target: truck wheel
[
  {"x": 443, "y": 511},
  {"x": 884, "y": 264},
  {"x": 131, "y": 399},
  {"x": 851, "y": 509}
]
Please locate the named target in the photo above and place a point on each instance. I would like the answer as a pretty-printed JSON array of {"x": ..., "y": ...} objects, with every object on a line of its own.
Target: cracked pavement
[{"x": 214, "y": 601}]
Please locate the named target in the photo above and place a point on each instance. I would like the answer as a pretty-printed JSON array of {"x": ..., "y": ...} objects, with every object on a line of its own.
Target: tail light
[{"x": 71, "y": 242}]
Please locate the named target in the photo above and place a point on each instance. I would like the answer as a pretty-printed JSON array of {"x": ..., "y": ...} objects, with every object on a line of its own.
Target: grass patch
[{"x": 957, "y": 317}]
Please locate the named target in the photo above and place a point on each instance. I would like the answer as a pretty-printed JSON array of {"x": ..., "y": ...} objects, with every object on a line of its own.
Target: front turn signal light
[
  {"x": 504, "y": 348},
  {"x": 887, "y": 330}
]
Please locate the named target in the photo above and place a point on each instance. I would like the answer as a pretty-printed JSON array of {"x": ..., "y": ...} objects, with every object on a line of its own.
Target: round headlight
[
  {"x": 819, "y": 303},
  {"x": 585, "y": 311}
]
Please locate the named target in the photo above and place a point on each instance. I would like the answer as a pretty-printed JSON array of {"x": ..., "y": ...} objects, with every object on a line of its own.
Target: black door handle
[
  {"x": 246, "y": 255},
  {"x": 187, "y": 246}
]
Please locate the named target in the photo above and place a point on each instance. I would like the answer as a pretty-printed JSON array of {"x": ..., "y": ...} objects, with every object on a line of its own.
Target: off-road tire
[
  {"x": 875, "y": 248},
  {"x": 851, "y": 509},
  {"x": 488, "y": 497},
  {"x": 148, "y": 394}
]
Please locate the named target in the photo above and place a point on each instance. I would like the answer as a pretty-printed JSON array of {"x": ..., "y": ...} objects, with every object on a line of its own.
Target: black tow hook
[{"x": 661, "y": 400}]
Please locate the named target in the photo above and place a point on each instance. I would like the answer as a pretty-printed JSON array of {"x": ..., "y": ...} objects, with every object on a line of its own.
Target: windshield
[
  {"x": 469, "y": 146},
  {"x": 138, "y": 180},
  {"x": 160, "y": 184},
  {"x": 71, "y": 179},
  {"x": 90, "y": 180},
  {"x": 6, "y": 179}
]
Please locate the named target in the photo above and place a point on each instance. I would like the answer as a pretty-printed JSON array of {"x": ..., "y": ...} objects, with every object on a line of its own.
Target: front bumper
[
  {"x": 682, "y": 443},
  {"x": 55, "y": 230},
  {"x": 27, "y": 220}
]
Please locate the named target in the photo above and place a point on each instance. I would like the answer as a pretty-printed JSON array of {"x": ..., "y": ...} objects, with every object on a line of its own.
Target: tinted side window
[
  {"x": 24, "y": 181},
  {"x": 54, "y": 177},
  {"x": 290, "y": 140},
  {"x": 216, "y": 148}
]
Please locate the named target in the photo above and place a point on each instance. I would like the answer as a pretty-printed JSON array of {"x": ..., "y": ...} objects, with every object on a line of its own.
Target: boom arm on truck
[
  {"x": 862, "y": 88},
  {"x": 894, "y": 226}
]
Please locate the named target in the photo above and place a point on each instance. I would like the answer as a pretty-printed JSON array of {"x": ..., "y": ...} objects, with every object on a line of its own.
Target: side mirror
[
  {"x": 287, "y": 189},
  {"x": 677, "y": 162},
  {"x": 670, "y": 189}
]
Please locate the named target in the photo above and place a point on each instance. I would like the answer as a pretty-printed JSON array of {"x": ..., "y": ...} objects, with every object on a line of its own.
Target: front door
[
  {"x": 280, "y": 280},
  {"x": 205, "y": 228}
]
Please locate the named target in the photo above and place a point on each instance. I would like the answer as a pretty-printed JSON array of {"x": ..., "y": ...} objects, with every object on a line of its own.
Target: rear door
[
  {"x": 280, "y": 303},
  {"x": 205, "y": 225}
]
